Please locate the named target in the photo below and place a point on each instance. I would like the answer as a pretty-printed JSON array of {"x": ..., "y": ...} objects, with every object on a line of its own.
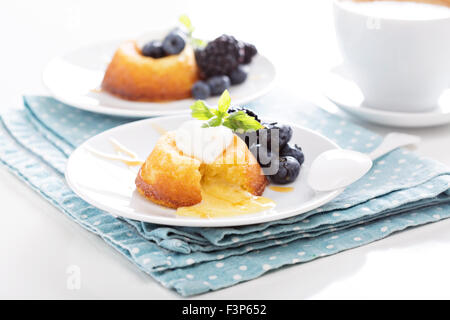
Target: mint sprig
[
  {"x": 200, "y": 111},
  {"x": 238, "y": 120},
  {"x": 241, "y": 121},
  {"x": 187, "y": 24}
]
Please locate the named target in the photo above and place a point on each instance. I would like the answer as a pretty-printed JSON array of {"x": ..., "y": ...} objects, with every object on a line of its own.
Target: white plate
[
  {"x": 344, "y": 92},
  {"x": 109, "y": 185},
  {"x": 75, "y": 78}
]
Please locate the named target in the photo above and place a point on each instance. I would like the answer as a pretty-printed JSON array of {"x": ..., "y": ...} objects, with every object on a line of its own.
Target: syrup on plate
[
  {"x": 222, "y": 199},
  {"x": 281, "y": 189}
]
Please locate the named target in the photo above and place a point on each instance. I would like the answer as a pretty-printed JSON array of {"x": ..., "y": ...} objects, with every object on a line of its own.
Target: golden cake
[
  {"x": 173, "y": 179},
  {"x": 132, "y": 76}
]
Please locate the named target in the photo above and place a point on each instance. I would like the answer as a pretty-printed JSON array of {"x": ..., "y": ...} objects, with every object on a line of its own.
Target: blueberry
[
  {"x": 238, "y": 75},
  {"x": 293, "y": 151},
  {"x": 267, "y": 160},
  {"x": 153, "y": 49},
  {"x": 173, "y": 43},
  {"x": 200, "y": 90},
  {"x": 284, "y": 135},
  {"x": 264, "y": 157},
  {"x": 288, "y": 171},
  {"x": 265, "y": 138},
  {"x": 218, "y": 84}
]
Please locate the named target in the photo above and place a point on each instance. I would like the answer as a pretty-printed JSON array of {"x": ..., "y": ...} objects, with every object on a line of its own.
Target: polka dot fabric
[{"x": 402, "y": 190}]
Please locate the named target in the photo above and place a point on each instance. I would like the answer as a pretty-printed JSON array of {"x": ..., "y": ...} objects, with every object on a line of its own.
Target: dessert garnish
[
  {"x": 221, "y": 62},
  {"x": 172, "y": 44},
  {"x": 293, "y": 151},
  {"x": 217, "y": 84},
  {"x": 268, "y": 142},
  {"x": 208, "y": 169},
  {"x": 201, "y": 90},
  {"x": 220, "y": 56},
  {"x": 177, "y": 65},
  {"x": 153, "y": 49},
  {"x": 203, "y": 143},
  {"x": 238, "y": 75},
  {"x": 288, "y": 170},
  {"x": 203, "y": 169},
  {"x": 238, "y": 120},
  {"x": 188, "y": 27}
]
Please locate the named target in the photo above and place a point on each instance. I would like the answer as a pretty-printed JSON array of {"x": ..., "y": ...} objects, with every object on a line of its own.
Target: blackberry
[
  {"x": 249, "y": 52},
  {"x": 220, "y": 56}
]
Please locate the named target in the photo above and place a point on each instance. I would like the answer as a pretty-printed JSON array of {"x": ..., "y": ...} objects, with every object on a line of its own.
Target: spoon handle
[{"x": 393, "y": 141}]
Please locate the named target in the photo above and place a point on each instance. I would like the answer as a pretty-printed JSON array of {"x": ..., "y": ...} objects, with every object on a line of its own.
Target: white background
[{"x": 38, "y": 243}]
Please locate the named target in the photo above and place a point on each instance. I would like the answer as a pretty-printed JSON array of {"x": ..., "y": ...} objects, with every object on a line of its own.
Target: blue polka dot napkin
[{"x": 402, "y": 190}]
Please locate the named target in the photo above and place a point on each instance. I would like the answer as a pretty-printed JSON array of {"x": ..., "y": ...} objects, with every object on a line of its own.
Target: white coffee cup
[{"x": 399, "y": 64}]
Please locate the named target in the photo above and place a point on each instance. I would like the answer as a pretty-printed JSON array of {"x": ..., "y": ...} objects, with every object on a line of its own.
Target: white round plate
[
  {"x": 75, "y": 79},
  {"x": 109, "y": 185},
  {"x": 343, "y": 91}
]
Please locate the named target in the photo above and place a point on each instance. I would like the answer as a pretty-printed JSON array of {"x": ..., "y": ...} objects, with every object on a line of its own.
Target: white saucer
[
  {"x": 75, "y": 78},
  {"x": 109, "y": 185},
  {"x": 342, "y": 91}
]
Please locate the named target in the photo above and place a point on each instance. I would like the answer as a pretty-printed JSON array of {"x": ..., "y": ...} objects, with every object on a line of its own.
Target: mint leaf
[
  {"x": 214, "y": 122},
  {"x": 186, "y": 22},
  {"x": 218, "y": 113},
  {"x": 224, "y": 101},
  {"x": 238, "y": 120},
  {"x": 189, "y": 28},
  {"x": 241, "y": 120},
  {"x": 200, "y": 111},
  {"x": 198, "y": 43}
]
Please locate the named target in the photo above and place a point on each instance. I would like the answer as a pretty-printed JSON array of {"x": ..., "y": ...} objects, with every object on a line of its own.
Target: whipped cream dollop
[{"x": 204, "y": 144}]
